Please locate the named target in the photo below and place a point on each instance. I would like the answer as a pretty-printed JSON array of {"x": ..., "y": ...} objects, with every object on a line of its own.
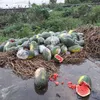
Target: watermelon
[
  {"x": 68, "y": 41},
  {"x": 84, "y": 86},
  {"x": 56, "y": 50},
  {"x": 64, "y": 49},
  {"x": 1, "y": 48},
  {"x": 83, "y": 90},
  {"x": 50, "y": 47},
  {"x": 86, "y": 79},
  {"x": 81, "y": 42},
  {"x": 12, "y": 49},
  {"x": 75, "y": 48},
  {"x": 74, "y": 36},
  {"x": 19, "y": 42},
  {"x": 40, "y": 78},
  {"x": 9, "y": 45},
  {"x": 26, "y": 44},
  {"x": 58, "y": 58},
  {"x": 40, "y": 40},
  {"x": 47, "y": 54},
  {"x": 25, "y": 54},
  {"x": 45, "y": 35},
  {"x": 52, "y": 40},
  {"x": 34, "y": 38},
  {"x": 41, "y": 48},
  {"x": 33, "y": 46},
  {"x": 24, "y": 39}
]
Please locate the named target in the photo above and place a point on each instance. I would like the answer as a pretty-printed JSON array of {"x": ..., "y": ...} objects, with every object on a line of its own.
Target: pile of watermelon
[{"x": 49, "y": 44}]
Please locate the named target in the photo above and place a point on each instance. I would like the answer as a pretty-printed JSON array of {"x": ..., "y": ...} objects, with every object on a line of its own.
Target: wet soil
[{"x": 13, "y": 87}]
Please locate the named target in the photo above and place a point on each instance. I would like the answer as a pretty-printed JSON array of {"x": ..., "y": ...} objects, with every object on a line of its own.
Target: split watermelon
[
  {"x": 83, "y": 88},
  {"x": 58, "y": 58},
  {"x": 86, "y": 79}
]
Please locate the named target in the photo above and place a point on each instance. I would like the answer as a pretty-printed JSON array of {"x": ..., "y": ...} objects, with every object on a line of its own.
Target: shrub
[{"x": 61, "y": 24}]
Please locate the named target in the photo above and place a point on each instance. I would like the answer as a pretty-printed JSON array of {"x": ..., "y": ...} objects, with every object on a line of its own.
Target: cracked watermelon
[{"x": 83, "y": 88}]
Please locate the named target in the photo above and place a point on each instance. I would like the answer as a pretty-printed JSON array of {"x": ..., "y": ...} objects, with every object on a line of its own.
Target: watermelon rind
[{"x": 85, "y": 93}]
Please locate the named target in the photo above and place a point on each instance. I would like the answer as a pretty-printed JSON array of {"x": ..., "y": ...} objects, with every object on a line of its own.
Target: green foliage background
[{"x": 51, "y": 17}]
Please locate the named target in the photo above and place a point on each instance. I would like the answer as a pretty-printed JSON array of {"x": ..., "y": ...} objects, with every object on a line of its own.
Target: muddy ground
[{"x": 13, "y": 87}]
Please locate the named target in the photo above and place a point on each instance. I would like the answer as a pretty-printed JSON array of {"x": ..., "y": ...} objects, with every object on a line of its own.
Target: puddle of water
[{"x": 14, "y": 88}]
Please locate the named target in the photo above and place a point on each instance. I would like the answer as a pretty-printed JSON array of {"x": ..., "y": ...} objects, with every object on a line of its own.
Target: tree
[{"x": 53, "y": 1}]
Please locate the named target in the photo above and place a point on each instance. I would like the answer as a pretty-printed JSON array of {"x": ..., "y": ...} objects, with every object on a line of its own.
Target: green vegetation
[{"x": 52, "y": 17}]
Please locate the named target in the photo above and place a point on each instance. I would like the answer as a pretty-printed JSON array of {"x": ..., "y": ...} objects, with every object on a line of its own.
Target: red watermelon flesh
[
  {"x": 59, "y": 58},
  {"x": 83, "y": 89}
]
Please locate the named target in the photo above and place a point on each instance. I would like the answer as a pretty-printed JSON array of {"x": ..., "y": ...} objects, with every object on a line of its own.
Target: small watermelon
[
  {"x": 81, "y": 42},
  {"x": 64, "y": 49},
  {"x": 50, "y": 47},
  {"x": 19, "y": 42},
  {"x": 47, "y": 54},
  {"x": 56, "y": 50},
  {"x": 33, "y": 46},
  {"x": 58, "y": 58},
  {"x": 12, "y": 49},
  {"x": 24, "y": 39},
  {"x": 75, "y": 48},
  {"x": 1, "y": 48},
  {"x": 40, "y": 40},
  {"x": 41, "y": 48},
  {"x": 83, "y": 88},
  {"x": 25, "y": 54},
  {"x": 40, "y": 78}
]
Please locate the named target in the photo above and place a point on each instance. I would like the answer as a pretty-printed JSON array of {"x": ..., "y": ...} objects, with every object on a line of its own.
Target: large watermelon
[
  {"x": 75, "y": 48},
  {"x": 66, "y": 40},
  {"x": 83, "y": 88},
  {"x": 52, "y": 40},
  {"x": 40, "y": 78},
  {"x": 45, "y": 35},
  {"x": 56, "y": 50},
  {"x": 47, "y": 54}
]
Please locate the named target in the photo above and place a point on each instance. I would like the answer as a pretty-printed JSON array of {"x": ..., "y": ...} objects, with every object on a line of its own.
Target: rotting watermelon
[{"x": 83, "y": 89}]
